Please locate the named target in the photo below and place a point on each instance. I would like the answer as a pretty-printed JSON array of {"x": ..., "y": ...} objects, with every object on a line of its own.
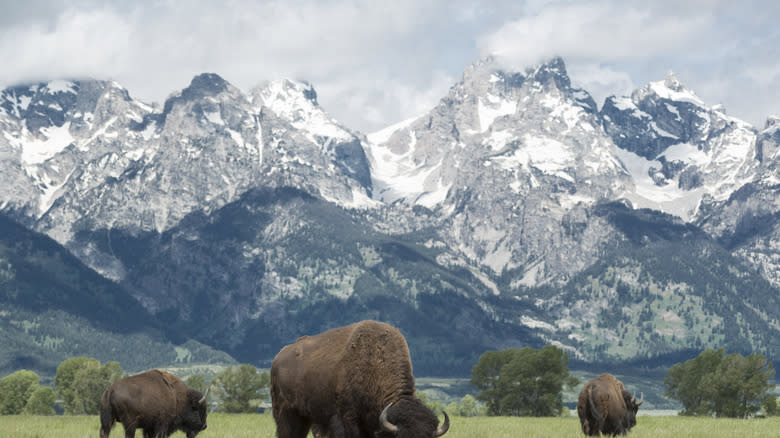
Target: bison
[
  {"x": 350, "y": 382},
  {"x": 157, "y": 402},
  {"x": 604, "y": 406}
]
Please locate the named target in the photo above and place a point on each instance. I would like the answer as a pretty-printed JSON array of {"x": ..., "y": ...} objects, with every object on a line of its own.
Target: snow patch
[
  {"x": 287, "y": 99},
  {"x": 214, "y": 117},
  {"x": 38, "y": 151},
  {"x": 60, "y": 86},
  {"x": 495, "y": 108},
  {"x": 546, "y": 154},
  {"x": 670, "y": 88},
  {"x": 237, "y": 137},
  {"x": 646, "y": 194},
  {"x": 383, "y": 135},
  {"x": 535, "y": 323}
]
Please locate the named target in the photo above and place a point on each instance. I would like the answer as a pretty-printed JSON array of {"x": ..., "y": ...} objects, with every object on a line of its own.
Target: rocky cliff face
[
  {"x": 85, "y": 156},
  {"x": 515, "y": 204},
  {"x": 512, "y": 163}
]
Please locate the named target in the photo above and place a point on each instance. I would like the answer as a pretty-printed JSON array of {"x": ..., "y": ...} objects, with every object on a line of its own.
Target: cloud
[
  {"x": 374, "y": 63},
  {"x": 604, "y": 31},
  {"x": 726, "y": 52},
  {"x": 369, "y": 54}
]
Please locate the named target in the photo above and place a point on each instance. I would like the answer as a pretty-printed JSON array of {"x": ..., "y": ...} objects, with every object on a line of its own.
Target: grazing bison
[
  {"x": 604, "y": 406},
  {"x": 155, "y": 401},
  {"x": 350, "y": 382}
]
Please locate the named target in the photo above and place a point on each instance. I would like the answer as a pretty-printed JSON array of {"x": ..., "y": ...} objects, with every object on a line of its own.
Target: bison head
[
  {"x": 410, "y": 418},
  {"x": 194, "y": 415},
  {"x": 632, "y": 406}
]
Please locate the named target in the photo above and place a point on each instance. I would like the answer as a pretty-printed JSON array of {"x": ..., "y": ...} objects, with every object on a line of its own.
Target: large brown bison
[
  {"x": 350, "y": 382},
  {"x": 155, "y": 401},
  {"x": 604, "y": 406}
]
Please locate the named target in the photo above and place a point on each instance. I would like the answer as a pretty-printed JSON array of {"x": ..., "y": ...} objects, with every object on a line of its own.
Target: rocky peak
[
  {"x": 768, "y": 141},
  {"x": 285, "y": 95},
  {"x": 552, "y": 72},
  {"x": 772, "y": 122},
  {"x": 670, "y": 89},
  {"x": 41, "y": 105},
  {"x": 203, "y": 85},
  {"x": 296, "y": 103}
]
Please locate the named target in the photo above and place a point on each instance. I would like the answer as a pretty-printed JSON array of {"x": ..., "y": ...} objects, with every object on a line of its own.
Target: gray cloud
[{"x": 375, "y": 64}]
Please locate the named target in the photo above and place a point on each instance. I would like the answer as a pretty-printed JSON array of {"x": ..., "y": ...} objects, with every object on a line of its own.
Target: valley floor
[{"x": 262, "y": 426}]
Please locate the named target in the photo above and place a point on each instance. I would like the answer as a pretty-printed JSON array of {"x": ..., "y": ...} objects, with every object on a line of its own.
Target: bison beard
[
  {"x": 155, "y": 401},
  {"x": 604, "y": 406},
  {"x": 350, "y": 382}
]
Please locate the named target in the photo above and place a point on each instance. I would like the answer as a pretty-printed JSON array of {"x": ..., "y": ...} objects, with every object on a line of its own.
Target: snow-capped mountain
[
  {"x": 510, "y": 160},
  {"x": 679, "y": 151},
  {"x": 85, "y": 155},
  {"x": 514, "y": 202}
]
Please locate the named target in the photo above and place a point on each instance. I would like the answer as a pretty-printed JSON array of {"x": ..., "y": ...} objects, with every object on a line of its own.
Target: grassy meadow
[{"x": 262, "y": 426}]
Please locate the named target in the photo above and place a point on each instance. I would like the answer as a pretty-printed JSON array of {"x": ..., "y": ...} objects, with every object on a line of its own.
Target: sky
[{"x": 374, "y": 63}]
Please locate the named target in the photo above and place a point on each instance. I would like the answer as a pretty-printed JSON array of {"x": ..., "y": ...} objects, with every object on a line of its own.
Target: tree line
[
  {"x": 81, "y": 381},
  {"x": 511, "y": 382}
]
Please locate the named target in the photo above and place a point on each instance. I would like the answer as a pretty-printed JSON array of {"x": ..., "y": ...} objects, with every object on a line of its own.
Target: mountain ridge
[{"x": 222, "y": 211}]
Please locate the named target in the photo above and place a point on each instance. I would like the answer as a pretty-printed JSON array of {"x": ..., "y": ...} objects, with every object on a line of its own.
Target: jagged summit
[
  {"x": 513, "y": 201},
  {"x": 205, "y": 84},
  {"x": 668, "y": 88},
  {"x": 772, "y": 122}
]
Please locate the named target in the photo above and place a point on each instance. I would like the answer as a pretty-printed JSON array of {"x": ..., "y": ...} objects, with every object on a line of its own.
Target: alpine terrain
[{"x": 516, "y": 212}]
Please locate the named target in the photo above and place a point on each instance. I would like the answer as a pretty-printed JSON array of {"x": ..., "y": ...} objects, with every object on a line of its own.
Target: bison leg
[
  {"x": 129, "y": 431},
  {"x": 105, "y": 428},
  {"x": 291, "y": 425},
  {"x": 345, "y": 427}
]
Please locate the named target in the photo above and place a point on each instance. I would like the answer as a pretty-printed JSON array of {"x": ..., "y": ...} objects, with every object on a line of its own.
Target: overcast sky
[{"x": 374, "y": 63}]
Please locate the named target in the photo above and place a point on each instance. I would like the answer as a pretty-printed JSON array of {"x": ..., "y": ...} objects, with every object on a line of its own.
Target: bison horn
[
  {"x": 444, "y": 427},
  {"x": 641, "y": 399},
  {"x": 203, "y": 399},
  {"x": 387, "y": 426}
]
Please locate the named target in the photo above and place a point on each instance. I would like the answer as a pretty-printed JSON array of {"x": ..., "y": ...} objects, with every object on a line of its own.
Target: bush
[
  {"x": 240, "y": 388},
  {"x": 15, "y": 390},
  {"x": 719, "y": 385},
  {"x": 41, "y": 402},
  {"x": 80, "y": 381},
  {"x": 523, "y": 382}
]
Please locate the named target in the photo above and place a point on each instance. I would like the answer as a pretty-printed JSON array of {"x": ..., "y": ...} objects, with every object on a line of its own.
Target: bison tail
[
  {"x": 597, "y": 421},
  {"x": 106, "y": 414}
]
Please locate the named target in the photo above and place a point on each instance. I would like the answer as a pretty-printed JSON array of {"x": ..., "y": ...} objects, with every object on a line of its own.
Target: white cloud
[
  {"x": 595, "y": 31},
  {"x": 374, "y": 63},
  {"x": 600, "y": 81}
]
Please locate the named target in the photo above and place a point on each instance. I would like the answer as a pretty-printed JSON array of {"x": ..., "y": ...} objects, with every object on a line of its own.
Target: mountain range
[{"x": 516, "y": 212}]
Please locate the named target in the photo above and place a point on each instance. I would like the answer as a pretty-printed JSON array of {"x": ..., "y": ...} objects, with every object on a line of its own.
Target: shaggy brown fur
[
  {"x": 155, "y": 401},
  {"x": 604, "y": 406},
  {"x": 340, "y": 381}
]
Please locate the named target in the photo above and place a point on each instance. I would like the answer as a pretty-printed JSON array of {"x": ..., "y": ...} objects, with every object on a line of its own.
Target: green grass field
[{"x": 262, "y": 426}]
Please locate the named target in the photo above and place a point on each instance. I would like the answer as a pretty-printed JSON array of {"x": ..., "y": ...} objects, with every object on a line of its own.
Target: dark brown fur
[
  {"x": 604, "y": 406},
  {"x": 155, "y": 401},
  {"x": 340, "y": 381}
]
